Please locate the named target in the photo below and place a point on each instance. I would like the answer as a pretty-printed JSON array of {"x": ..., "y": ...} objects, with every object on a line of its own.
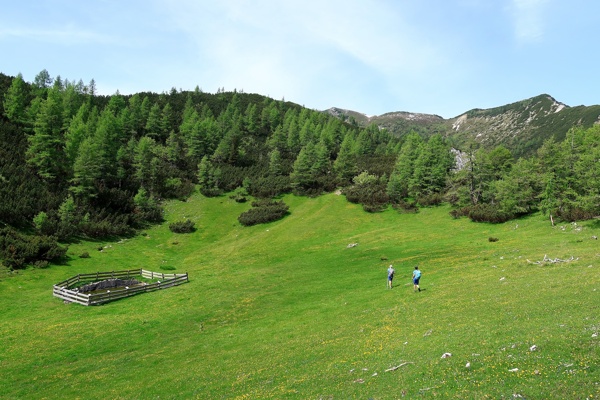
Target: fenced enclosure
[{"x": 66, "y": 289}]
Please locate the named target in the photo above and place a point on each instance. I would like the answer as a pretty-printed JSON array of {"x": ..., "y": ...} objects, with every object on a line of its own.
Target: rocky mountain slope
[{"x": 521, "y": 126}]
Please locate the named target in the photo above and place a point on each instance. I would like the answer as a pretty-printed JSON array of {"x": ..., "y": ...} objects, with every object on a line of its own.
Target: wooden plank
[{"x": 168, "y": 280}]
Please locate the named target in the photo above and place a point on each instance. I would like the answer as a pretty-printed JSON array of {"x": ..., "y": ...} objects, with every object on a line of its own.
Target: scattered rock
[
  {"x": 513, "y": 370},
  {"x": 351, "y": 245},
  {"x": 468, "y": 365},
  {"x": 594, "y": 335},
  {"x": 533, "y": 348},
  {"x": 503, "y": 278},
  {"x": 375, "y": 374},
  {"x": 446, "y": 355},
  {"x": 428, "y": 333},
  {"x": 359, "y": 381}
]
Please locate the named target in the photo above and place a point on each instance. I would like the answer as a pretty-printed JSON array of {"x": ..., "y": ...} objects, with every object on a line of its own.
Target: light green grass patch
[{"x": 287, "y": 310}]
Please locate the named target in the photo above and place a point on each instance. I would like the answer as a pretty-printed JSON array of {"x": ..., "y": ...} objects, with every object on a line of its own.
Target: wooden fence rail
[{"x": 63, "y": 290}]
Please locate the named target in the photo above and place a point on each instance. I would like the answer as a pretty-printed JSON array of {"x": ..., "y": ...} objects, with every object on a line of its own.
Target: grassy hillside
[{"x": 286, "y": 310}]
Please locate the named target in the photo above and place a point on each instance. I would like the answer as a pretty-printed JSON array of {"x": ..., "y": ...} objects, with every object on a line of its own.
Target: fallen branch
[{"x": 398, "y": 366}]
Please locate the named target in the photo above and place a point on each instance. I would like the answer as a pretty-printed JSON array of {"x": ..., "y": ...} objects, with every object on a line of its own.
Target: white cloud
[
  {"x": 68, "y": 35},
  {"x": 298, "y": 48},
  {"x": 528, "y": 19}
]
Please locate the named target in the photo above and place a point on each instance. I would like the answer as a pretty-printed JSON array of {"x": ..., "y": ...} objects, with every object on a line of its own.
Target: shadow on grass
[{"x": 595, "y": 224}]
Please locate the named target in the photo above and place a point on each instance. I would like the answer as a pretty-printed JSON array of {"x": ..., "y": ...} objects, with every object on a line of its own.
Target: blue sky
[{"x": 373, "y": 56}]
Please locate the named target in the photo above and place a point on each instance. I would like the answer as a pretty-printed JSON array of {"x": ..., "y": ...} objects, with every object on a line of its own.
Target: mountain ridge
[{"x": 521, "y": 126}]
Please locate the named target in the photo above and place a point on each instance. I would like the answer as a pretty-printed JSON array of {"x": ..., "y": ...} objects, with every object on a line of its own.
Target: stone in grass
[
  {"x": 533, "y": 348},
  {"x": 446, "y": 355}
]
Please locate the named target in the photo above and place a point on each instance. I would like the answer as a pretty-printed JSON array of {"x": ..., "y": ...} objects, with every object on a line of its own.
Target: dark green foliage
[
  {"x": 263, "y": 211},
  {"x": 369, "y": 191},
  {"x": 269, "y": 186},
  {"x": 85, "y": 254},
  {"x": 22, "y": 193},
  {"x": 492, "y": 239},
  {"x": 73, "y": 163},
  {"x": 409, "y": 207},
  {"x": 434, "y": 199},
  {"x": 238, "y": 197},
  {"x": 18, "y": 250},
  {"x": 106, "y": 225},
  {"x": 487, "y": 213},
  {"x": 186, "y": 226},
  {"x": 167, "y": 268},
  {"x": 575, "y": 214}
]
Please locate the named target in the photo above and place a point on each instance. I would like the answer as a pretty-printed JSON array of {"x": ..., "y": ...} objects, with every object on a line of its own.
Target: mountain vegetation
[
  {"x": 75, "y": 164},
  {"x": 522, "y": 126}
]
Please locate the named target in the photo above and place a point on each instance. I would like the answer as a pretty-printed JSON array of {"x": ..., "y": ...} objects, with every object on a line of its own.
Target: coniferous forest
[{"x": 75, "y": 164}]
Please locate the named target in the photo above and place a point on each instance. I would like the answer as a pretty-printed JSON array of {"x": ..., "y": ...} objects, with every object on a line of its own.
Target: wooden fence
[{"x": 63, "y": 290}]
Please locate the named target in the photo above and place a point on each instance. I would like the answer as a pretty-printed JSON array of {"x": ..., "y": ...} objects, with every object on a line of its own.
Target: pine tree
[
  {"x": 275, "y": 167},
  {"x": 154, "y": 123},
  {"x": 45, "y": 145},
  {"x": 15, "y": 101},
  {"x": 87, "y": 169},
  {"x": 143, "y": 163},
  {"x": 76, "y": 133},
  {"x": 400, "y": 179},
  {"x": 303, "y": 175},
  {"x": 345, "y": 163}
]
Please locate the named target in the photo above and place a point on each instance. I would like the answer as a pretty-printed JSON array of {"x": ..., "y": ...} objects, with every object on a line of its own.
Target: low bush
[
  {"x": 85, "y": 254},
  {"x": 18, "y": 250},
  {"x": 186, "y": 226},
  {"x": 483, "y": 213},
  {"x": 460, "y": 212},
  {"x": 406, "y": 207},
  {"x": 211, "y": 192},
  {"x": 434, "y": 199},
  {"x": 373, "y": 197},
  {"x": 269, "y": 186},
  {"x": 575, "y": 214},
  {"x": 263, "y": 211},
  {"x": 493, "y": 239}
]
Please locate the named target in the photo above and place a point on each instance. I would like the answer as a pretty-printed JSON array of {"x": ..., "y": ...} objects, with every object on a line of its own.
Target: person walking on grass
[
  {"x": 416, "y": 276},
  {"x": 390, "y": 276}
]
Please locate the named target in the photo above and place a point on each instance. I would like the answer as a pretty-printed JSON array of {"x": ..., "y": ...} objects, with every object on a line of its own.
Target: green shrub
[
  {"x": 186, "y": 226},
  {"x": 406, "y": 207},
  {"x": 167, "y": 268},
  {"x": 18, "y": 250},
  {"x": 269, "y": 186},
  {"x": 434, "y": 199},
  {"x": 575, "y": 214},
  {"x": 372, "y": 196},
  {"x": 263, "y": 211},
  {"x": 483, "y": 213},
  {"x": 85, "y": 254}
]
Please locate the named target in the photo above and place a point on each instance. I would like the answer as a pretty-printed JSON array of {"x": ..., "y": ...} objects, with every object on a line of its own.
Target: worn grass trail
[{"x": 286, "y": 310}]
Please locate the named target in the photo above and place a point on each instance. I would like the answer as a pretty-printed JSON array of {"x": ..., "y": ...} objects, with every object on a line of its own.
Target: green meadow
[{"x": 288, "y": 310}]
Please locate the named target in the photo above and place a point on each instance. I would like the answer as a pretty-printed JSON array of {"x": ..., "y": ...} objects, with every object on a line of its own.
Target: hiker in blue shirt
[
  {"x": 390, "y": 272},
  {"x": 416, "y": 277}
]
